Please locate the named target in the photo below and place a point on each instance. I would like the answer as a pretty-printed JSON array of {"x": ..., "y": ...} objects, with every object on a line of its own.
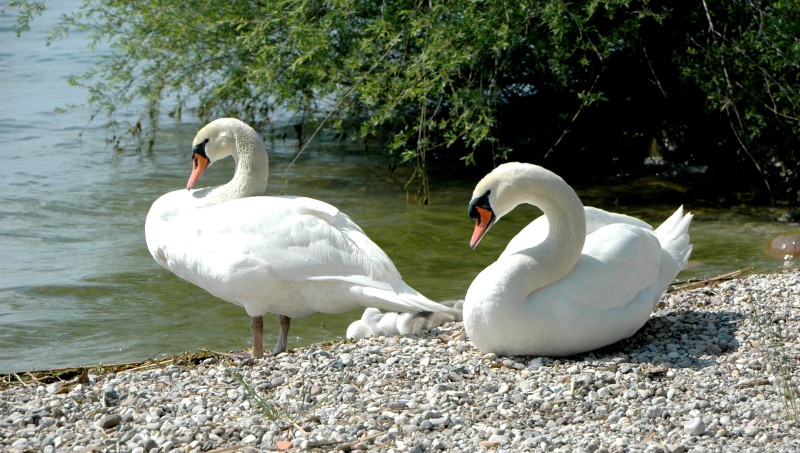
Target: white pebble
[{"x": 695, "y": 427}]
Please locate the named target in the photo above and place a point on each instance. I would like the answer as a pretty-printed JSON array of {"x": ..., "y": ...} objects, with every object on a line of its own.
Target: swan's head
[
  {"x": 215, "y": 141},
  {"x": 495, "y": 196}
]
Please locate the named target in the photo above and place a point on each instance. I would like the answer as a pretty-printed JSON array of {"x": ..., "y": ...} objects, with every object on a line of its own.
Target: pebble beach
[{"x": 714, "y": 369}]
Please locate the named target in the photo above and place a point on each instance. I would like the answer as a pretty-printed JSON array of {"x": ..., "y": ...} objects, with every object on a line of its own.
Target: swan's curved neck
[
  {"x": 556, "y": 256},
  {"x": 252, "y": 169},
  {"x": 252, "y": 165}
]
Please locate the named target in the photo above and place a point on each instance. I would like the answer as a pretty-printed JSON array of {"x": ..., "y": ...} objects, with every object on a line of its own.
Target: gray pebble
[{"x": 109, "y": 421}]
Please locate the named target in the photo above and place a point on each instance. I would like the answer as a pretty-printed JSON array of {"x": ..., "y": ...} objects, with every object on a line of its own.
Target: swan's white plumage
[
  {"x": 290, "y": 256},
  {"x": 590, "y": 282},
  {"x": 536, "y": 231},
  {"x": 268, "y": 253}
]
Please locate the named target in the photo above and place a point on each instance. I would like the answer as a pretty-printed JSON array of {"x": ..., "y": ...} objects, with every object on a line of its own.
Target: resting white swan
[
  {"x": 575, "y": 279},
  {"x": 289, "y": 256}
]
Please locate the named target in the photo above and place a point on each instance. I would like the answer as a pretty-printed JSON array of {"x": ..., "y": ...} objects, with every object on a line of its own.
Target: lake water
[{"x": 78, "y": 287}]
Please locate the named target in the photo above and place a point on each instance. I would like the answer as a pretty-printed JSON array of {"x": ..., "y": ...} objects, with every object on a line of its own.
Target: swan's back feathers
[
  {"x": 309, "y": 238},
  {"x": 598, "y": 218},
  {"x": 536, "y": 231}
]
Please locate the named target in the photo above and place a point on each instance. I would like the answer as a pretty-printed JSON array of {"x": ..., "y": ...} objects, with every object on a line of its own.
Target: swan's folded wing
[
  {"x": 293, "y": 239},
  {"x": 618, "y": 262},
  {"x": 318, "y": 243},
  {"x": 246, "y": 249}
]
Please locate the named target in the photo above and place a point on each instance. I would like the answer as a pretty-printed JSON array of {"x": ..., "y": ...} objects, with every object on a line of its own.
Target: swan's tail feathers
[
  {"x": 674, "y": 236},
  {"x": 394, "y": 300},
  {"x": 389, "y": 296},
  {"x": 373, "y": 323}
]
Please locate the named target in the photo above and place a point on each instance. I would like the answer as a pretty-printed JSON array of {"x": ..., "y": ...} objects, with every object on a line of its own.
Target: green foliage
[
  {"x": 746, "y": 57},
  {"x": 590, "y": 81},
  {"x": 27, "y": 10}
]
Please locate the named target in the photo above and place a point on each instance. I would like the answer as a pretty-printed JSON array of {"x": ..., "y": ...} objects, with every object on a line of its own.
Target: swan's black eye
[
  {"x": 200, "y": 149},
  {"x": 480, "y": 202}
]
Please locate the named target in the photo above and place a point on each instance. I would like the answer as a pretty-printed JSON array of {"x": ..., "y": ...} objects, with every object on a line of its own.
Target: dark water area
[{"x": 78, "y": 287}]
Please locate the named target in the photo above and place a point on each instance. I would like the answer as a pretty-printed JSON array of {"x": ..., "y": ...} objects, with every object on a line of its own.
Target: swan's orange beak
[
  {"x": 199, "y": 164},
  {"x": 483, "y": 221}
]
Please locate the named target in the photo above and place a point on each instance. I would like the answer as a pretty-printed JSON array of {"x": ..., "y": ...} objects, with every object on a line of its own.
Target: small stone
[
  {"x": 498, "y": 439},
  {"x": 439, "y": 421},
  {"x": 45, "y": 422},
  {"x": 751, "y": 430},
  {"x": 654, "y": 412},
  {"x": 109, "y": 421},
  {"x": 784, "y": 246},
  {"x": 695, "y": 427},
  {"x": 149, "y": 444},
  {"x": 250, "y": 439},
  {"x": 397, "y": 405}
]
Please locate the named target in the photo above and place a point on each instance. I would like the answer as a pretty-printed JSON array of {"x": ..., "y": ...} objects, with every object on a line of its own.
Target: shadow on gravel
[
  {"x": 681, "y": 338},
  {"x": 678, "y": 339}
]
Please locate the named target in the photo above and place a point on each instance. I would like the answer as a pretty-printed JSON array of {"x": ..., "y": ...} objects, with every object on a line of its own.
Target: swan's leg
[
  {"x": 283, "y": 336},
  {"x": 257, "y": 329}
]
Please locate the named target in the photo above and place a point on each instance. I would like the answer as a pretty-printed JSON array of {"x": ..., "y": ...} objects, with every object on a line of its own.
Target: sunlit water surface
[{"x": 78, "y": 287}]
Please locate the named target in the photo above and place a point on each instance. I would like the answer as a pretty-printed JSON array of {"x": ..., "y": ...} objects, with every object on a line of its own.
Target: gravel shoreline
[{"x": 715, "y": 369}]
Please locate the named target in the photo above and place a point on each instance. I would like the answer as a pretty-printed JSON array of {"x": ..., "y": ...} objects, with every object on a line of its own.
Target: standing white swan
[
  {"x": 289, "y": 256},
  {"x": 557, "y": 290}
]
